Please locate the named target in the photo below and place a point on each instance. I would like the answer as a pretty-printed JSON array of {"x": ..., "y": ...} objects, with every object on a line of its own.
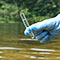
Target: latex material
[{"x": 45, "y": 30}]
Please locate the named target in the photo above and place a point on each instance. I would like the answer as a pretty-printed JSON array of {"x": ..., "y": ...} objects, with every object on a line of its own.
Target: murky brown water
[{"x": 29, "y": 50}]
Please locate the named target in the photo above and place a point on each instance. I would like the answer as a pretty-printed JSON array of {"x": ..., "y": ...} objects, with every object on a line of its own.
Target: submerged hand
[{"x": 45, "y": 30}]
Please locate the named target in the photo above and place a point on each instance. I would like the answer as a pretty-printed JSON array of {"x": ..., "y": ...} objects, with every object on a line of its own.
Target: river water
[{"x": 29, "y": 50}]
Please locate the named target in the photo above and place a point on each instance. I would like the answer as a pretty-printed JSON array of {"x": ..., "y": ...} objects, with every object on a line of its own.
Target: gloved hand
[{"x": 45, "y": 30}]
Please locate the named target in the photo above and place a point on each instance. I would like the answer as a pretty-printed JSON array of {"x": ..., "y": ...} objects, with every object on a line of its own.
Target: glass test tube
[{"x": 26, "y": 24}]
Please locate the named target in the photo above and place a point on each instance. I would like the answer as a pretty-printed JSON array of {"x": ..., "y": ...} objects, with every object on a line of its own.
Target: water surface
[{"x": 29, "y": 50}]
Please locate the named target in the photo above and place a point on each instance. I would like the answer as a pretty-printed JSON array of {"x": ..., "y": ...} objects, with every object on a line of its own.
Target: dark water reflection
[{"x": 29, "y": 50}]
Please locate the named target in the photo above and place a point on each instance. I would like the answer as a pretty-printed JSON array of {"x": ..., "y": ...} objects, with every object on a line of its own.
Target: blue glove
[{"x": 45, "y": 30}]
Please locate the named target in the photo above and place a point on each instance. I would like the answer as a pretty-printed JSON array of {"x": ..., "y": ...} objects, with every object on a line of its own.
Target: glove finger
[
  {"x": 32, "y": 28},
  {"x": 27, "y": 31},
  {"x": 40, "y": 26},
  {"x": 40, "y": 36},
  {"x": 45, "y": 39}
]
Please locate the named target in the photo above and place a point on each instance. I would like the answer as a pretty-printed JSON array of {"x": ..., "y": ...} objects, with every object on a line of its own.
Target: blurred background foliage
[{"x": 35, "y": 10}]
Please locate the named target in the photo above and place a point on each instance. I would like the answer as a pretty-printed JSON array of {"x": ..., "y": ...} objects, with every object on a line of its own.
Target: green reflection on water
[{"x": 31, "y": 50}]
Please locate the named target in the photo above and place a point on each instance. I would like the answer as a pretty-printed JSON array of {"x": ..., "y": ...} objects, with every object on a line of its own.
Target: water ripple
[
  {"x": 42, "y": 49},
  {"x": 10, "y": 48},
  {"x": 39, "y": 57},
  {"x": 1, "y": 57}
]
